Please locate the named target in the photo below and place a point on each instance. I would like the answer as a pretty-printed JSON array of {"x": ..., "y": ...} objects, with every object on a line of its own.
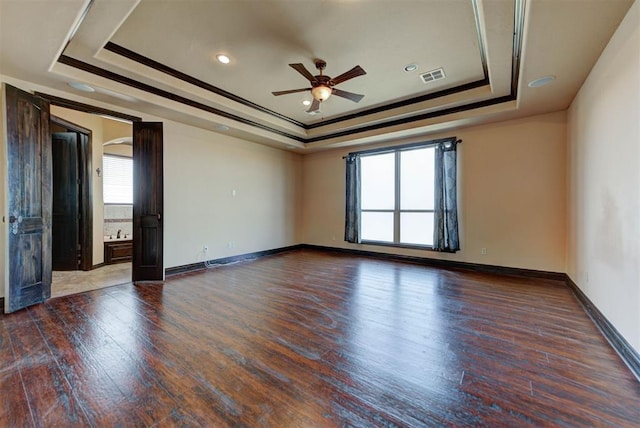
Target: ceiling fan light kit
[
  {"x": 321, "y": 92},
  {"x": 322, "y": 87}
]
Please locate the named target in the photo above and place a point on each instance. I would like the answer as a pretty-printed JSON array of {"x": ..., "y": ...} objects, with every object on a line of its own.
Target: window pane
[
  {"x": 117, "y": 180},
  {"x": 377, "y": 188},
  {"x": 416, "y": 179},
  {"x": 376, "y": 226},
  {"x": 416, "y": 228}
]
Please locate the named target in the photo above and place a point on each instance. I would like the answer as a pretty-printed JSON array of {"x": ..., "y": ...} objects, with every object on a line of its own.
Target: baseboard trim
[
  {"x": 226, "y": 260},
  {"x": 446, "y": 264},
  {"x": 629, "y": 355},
  {"x": 99, "y": 265}
]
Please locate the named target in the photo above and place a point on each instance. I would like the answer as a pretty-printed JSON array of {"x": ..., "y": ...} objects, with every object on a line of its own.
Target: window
[
  {"x": 117, "y": 179},
  {"x": 397, "y": 195},
  {"x": 403, "y": 196}
]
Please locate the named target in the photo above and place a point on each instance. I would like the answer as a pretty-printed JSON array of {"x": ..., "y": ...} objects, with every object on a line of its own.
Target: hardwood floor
[{"x": 313, "y": 339}]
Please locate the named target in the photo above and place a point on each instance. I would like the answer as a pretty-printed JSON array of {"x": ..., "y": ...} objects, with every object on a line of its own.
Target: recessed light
[
  {"x": 223, "y": 59},
  {"x": 410, "y": 67},
  {"x": 541, "y": 81},
  {"x": 81, "y": 87},
  {"x": 306, "y": 103},
  {"x": 222, "y": 127}
]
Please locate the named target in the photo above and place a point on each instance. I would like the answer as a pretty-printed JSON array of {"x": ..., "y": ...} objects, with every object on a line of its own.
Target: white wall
[
  {"x": 511, "y": 195},
  {"x": 201, "y": 170},
  {"x": 604, "y": 182}
]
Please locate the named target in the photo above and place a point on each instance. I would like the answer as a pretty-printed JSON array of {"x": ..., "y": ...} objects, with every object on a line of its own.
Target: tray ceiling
[{"x": 158, "y": 57}]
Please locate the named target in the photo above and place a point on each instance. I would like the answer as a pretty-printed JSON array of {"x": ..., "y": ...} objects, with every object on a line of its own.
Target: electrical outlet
[
  {"x": 230, "y": 244},
  {"x": 483, "y": 251},
  {"x": 205, "y": 248}
]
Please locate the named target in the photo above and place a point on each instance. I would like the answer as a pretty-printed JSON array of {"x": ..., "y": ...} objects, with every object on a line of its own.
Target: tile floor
[{"x": 71, "y": 282}]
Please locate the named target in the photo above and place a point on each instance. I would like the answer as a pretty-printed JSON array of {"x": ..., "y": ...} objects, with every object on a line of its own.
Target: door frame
[
  {"x": 86, "y": 108},
  {"x": 85, "y": 191}
]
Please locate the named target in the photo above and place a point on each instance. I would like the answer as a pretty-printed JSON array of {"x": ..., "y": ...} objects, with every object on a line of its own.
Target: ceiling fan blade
[
  {"x": 348, "y": 95},
  {"x": 303, "y": 70},
  {"x": 290, "y": 91},
  {"x": 315, "y": 106},
  {"x": 354, "y": 72}
]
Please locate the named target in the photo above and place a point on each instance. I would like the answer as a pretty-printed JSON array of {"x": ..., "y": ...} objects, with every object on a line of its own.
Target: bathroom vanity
[{"x": 118, "y": 251}]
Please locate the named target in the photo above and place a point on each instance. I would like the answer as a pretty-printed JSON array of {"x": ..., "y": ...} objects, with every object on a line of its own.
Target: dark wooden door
[
  {"x": 147, "y": 202},
  {"x": 85, "y": 176},
  {"x": 29, "y": 199},
  {"x": 66, "y": 203},
  {"x": 85, "y": 189}
]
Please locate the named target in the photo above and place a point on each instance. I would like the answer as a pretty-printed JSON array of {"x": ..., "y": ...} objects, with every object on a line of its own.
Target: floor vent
[{"x": 432, "y": 75}]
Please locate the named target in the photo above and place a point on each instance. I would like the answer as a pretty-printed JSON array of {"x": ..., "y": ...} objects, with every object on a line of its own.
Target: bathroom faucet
[{"x": 118, "y": 235}]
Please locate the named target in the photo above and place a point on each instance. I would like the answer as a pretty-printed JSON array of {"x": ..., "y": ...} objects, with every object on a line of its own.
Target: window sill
[{"x": 391, "y": 244}]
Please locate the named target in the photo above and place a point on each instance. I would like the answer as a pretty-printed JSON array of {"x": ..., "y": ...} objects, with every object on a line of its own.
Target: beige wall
[
  {"x": 202, "y": 169},
  {"x": 118, "y": 149},
  {"x": 114, "y": 129},
  {"x": 604, "y": 182},
  {"x": 95, "y": 124},
  {"x": 511, "y": 195}
]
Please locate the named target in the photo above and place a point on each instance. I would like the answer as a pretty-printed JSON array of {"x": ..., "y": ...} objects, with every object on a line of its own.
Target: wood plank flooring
[{"x": 313, "y": 339}]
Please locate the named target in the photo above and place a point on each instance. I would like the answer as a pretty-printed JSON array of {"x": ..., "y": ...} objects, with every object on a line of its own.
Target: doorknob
[
  {"x": 159, "y": 216},
  {"x": 15, "y": 220}
]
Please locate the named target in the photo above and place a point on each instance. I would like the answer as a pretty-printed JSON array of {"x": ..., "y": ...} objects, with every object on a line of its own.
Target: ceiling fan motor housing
[{"x": 320, "y": 64}]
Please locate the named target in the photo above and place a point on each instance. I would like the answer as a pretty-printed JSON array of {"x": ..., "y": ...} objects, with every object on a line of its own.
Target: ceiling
[{"x": 159, "y": 57}]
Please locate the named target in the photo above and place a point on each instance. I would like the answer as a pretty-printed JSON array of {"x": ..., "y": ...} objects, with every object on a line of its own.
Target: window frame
[
  {"x": 397, "y": 150},
  {"x": 103, "y": 193}
]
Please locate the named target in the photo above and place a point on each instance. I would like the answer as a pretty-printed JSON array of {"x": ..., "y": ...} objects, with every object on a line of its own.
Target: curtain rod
[{"x": 405, "y": 146}]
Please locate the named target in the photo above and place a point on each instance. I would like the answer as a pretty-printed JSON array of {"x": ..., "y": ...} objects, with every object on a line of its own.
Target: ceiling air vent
[{"x": 432, "y": 75}]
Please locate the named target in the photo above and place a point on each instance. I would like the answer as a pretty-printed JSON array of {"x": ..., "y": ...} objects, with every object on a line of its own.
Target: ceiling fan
[{"x": 323, "y": 86}]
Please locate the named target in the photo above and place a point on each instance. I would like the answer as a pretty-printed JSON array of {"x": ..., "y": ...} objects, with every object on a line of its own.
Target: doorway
[
  {"x": 72, "y": 213},
  {"x": 90, "y": 251},
  {"x": 28, "y": 187}
]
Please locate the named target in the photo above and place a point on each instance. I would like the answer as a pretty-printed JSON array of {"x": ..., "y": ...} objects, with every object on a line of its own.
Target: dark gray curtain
[
  {"x": 352, "y": 209},
  {"x": 445, "y": 230}
]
